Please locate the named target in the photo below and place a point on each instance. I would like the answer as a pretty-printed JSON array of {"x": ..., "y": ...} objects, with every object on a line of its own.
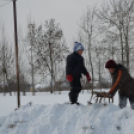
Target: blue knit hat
[{"x": 78, "y": 46}]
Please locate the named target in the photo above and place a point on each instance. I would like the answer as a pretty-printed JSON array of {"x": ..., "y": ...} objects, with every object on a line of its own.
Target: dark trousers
[
  {"x": 123, "y": 101},
  {"x": 75, "y": 90}
]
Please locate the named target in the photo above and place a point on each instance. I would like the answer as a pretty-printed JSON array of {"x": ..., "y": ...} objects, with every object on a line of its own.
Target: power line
[{"x": 5, "y": 4}]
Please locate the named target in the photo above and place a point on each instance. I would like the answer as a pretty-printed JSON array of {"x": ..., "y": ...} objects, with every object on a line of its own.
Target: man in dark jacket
[
  {"x": 122, "y": 81},
  {"x": 74, "y": 68}
]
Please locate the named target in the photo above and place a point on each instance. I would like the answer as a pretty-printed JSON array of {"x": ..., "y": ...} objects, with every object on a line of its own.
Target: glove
[
  {"x": 70, "y": 77},
  {"x": 108, "y": 95},
  {"x": 88, "y": 77}
]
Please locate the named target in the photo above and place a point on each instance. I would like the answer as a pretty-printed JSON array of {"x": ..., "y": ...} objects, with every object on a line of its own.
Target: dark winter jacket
[
  {"x": 75, "y": 65},
  {"x": 122, "y": 81}
]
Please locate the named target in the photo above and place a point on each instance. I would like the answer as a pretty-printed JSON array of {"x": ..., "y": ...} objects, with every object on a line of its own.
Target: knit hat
[
  {"x": 110, "y": 64},
  {"x": 78, "y": 46}
]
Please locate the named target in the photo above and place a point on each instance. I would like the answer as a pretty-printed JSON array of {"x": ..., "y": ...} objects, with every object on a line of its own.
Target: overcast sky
[{"x": 65, "y": 12}]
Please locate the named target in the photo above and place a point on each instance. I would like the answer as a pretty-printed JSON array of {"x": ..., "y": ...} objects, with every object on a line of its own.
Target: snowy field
[
  {"x": 9, "y": 103},
  {"x": 49, "y": 114}
]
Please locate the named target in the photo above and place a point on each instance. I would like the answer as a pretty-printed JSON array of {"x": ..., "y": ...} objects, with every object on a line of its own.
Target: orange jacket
[
  {"x": 117, "y": 82},
  {"x": 122, "y": 81}
]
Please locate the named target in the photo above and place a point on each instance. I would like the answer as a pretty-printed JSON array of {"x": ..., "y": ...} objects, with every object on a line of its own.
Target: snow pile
[{"x": 68, "y": 119}]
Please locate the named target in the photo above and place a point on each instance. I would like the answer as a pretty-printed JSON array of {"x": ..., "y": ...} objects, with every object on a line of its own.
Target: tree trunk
[
  {"x": 32, "y": 70},
  {"x": 90, "y": 59},
  {"x": 121, "y": 42},
  {"x": 127, "y": 53},
  {"x": 52, "y": 70},
  {"x": 99, "y": 74},
  {"x": 24, "y": 93},
  {"x": 4, "y": 85}
]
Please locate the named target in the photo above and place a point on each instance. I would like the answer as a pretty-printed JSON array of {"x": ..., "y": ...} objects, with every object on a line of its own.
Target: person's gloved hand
[
  {"x": 108, "y": 95},
  {"x": 70, "y": 77},
  {"x": 88, "y": 77}
]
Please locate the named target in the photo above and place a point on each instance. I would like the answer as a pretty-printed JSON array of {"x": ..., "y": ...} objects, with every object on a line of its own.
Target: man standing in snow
[
  {"x": 122, "y": 81},
  {"x": 74, "y": 68}
]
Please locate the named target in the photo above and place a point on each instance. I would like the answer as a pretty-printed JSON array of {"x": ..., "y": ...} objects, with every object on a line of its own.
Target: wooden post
[{"x": 16, "y": 51}]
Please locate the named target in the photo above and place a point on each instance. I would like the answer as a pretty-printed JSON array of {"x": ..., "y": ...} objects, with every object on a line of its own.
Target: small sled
[{"x": 99, "y": 96}]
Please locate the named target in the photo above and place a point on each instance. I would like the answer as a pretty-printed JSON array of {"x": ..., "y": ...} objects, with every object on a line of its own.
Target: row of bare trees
[
  {"x": 107, "y": 33},
  {"x": 7, "y": 66},
  {"x": 48, "y": 51},
  {"x": 42, "y": 54}
]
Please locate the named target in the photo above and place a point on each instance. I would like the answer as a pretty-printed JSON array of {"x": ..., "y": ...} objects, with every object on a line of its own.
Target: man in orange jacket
[{"x": 121, "y": 82}]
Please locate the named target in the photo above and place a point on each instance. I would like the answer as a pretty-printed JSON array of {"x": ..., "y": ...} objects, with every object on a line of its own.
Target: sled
[{"x": 99, "y": 96}]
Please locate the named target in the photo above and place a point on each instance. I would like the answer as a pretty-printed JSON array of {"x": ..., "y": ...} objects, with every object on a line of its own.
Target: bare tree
[
  {"x": 88, "y": 28},
  {"x": 61, "y": 52},
  {"x": 6, "y": 61},
  {"x": 29, "y": 44},
  {"x": 49, "y": 49},
  {"x": 118, "y": 20}
]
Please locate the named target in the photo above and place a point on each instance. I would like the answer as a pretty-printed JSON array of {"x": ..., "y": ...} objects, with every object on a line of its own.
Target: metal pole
[{"x": 16, "y": 51}]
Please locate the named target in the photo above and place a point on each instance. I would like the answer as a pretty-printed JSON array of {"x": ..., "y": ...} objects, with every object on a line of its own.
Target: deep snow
[
  {"x": 68, "y": 119},
  {"x": 50, "y": 115},
  {"x": 9, "y": 103}
]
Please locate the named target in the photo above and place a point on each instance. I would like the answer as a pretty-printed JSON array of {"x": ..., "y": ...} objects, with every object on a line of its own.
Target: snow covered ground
[
  {"x": 49, "y": 114},
  {"x": 9, "y": 103}
]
